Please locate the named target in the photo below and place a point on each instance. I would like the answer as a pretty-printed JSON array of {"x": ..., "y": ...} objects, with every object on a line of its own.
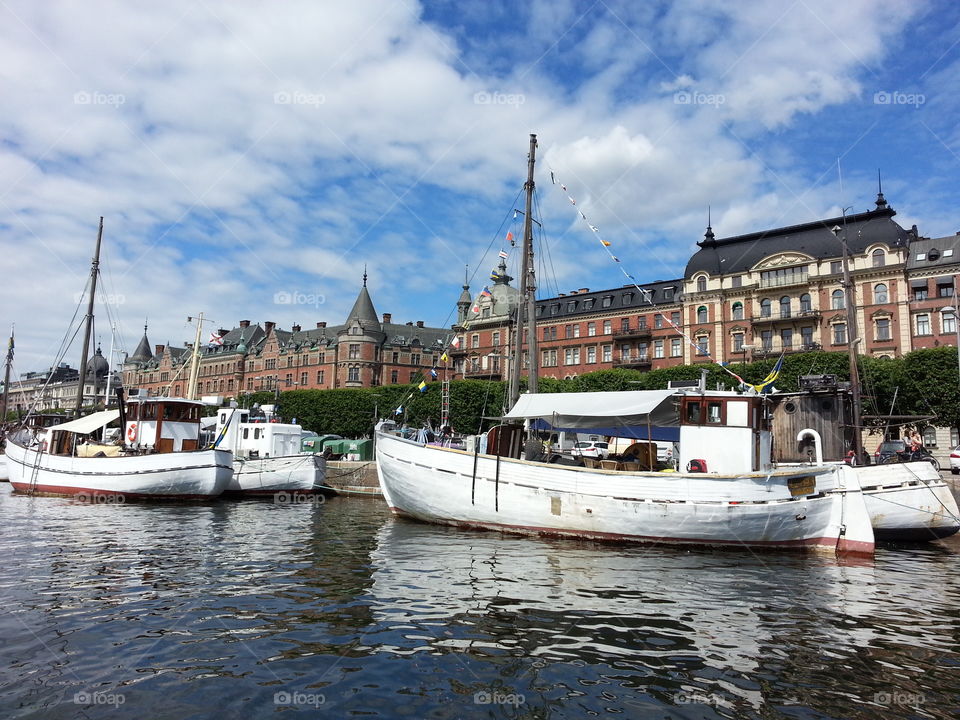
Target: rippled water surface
[{"x": 253, "y": 608}]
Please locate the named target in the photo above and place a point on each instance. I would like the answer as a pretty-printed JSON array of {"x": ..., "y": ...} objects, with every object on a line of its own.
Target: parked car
[
  {"x": 887, "y": 449},
  {"x": 894, "y": 451},
  {"x": 955, "y": 461},
  {"x": 591, "y": 449}
]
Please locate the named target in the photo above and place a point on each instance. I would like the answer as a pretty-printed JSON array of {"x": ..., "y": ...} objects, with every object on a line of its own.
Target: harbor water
[{"x": 337, "y": 609}]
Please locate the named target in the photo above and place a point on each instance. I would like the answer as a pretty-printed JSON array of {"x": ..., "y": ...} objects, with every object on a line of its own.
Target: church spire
[{"x": 881, "y": 200}]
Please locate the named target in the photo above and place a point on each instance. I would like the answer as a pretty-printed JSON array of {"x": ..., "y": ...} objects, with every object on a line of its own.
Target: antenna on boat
[{"x": 94, "y": 271}]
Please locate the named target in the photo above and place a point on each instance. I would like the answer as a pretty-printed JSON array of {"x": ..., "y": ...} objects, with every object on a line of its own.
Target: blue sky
[{"x": 243, "y": 153}]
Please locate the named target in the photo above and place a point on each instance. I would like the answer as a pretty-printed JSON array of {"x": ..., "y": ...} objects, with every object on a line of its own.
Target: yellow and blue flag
[
  {"x": 766, "y": 385},
  {"x": 422, "y": 387}
]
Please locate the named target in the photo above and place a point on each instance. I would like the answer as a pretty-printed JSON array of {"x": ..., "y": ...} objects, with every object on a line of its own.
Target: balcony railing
[
  {"x": 643, "y": 332},
  {"x": 794, "y": 278},
  {"x": 786, "y": 316},
  {"x": 632, "y": 361},
  {"x": 475, "y": 371}
]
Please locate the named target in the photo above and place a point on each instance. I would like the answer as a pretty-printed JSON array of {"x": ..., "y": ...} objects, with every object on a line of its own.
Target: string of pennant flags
[{"x": 764, "y": 386}]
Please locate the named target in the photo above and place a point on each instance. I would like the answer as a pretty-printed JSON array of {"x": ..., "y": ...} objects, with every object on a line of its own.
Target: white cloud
[{"x": 240, "y": 149}]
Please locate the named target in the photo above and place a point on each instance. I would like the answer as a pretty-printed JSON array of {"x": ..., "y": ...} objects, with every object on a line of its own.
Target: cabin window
[
  {"x": 692, "y": 416},
  {"x": 246, "y": 433},
  {"x": 714, "y": 413}
]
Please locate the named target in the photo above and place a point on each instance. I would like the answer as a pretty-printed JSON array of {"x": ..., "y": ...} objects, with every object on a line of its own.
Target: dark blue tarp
[{"x": 638, "y": 432}]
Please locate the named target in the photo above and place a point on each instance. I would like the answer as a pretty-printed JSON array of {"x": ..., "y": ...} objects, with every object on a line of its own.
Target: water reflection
[{"x": 244, "y": 609}]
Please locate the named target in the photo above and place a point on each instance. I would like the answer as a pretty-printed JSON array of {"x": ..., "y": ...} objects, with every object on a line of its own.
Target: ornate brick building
[{"x": 741, "y": 298}]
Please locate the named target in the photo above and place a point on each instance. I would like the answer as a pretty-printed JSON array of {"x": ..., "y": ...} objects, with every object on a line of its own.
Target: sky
[{"x": 251, "y": 159}]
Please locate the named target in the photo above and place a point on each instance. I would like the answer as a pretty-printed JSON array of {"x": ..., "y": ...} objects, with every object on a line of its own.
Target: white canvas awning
[
  {"x": 89, "y": 423},
  {"x": 598, "y": 409}
]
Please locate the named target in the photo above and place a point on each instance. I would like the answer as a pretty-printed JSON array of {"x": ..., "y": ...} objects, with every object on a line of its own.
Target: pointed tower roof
[
  {"x": 465, "y": 297},
  {"x": 143, "y": 352},
  {"x": 363, "y": 309}
]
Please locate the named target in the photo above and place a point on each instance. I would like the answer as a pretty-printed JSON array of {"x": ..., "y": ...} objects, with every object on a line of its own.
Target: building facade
[{"x": 740, "y": 299}]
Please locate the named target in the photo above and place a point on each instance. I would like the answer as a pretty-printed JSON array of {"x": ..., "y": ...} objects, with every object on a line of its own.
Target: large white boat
[
  {"x": 266, "y": 454},
  {"x": 157, "y": 456},
  {"x": 729, "y": 495}
]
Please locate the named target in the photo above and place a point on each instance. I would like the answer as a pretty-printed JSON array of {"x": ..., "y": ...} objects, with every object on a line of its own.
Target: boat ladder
[{"x": 35, "y": 472}]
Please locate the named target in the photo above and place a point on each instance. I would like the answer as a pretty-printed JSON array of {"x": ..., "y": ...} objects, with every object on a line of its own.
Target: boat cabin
[
  {"x": 162, "y": 425},
  {"x": 724, "y": 432},
  {"x": 256, "y": 437}
]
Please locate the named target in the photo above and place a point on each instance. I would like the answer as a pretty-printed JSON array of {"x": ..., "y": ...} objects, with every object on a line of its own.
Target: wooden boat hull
[
  {"x": 291, "y": 473},
  {"x": 758, "y": 510},
  {"x": 193, "y": 475},
  {"x": 908, "y": 502}
]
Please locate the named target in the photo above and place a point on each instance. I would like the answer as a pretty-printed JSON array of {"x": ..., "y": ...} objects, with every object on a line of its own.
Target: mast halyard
[
  {"x": 852, "y": 341},
  {"x": 94, "y": 272},
  {"x": 195, "y": 361},
  {"x": 528, "y": 288}
]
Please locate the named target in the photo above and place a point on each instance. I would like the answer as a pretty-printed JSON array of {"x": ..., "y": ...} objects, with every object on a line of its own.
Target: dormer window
[
  {"x": 607, "y": 301},
  {"x": 701, "y": 284}
]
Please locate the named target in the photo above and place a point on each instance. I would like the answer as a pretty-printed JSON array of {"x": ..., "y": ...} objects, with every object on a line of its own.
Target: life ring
[{"x": 132, "y": 432}]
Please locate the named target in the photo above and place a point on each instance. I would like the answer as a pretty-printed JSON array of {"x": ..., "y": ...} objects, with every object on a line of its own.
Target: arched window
[
  {"x": 702, "y": 314},
  {"x": 805, "y": 305},
  {"x": 701, "y": 284},
  {"x": 765, "y": 307},
  {"x": 879, "y": 293},
  {"x": 785, "y": 307},
  {"x": 878, "y": 258},
  {"x": 738, "y": 311},
  {"x": 837, "y": 301}
]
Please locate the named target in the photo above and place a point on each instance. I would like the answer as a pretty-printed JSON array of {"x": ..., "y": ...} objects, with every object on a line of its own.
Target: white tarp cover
[
  {"x": 598, "y": 409},
  {"x": 89, "y": 423}
]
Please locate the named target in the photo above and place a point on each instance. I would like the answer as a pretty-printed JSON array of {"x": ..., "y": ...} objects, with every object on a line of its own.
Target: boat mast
[
  {"x": 6, "y": 379},
  {"x": 852, "y": 341},
  {"x": 195, "y": 361},
  {"x": 94, "y": 271},
  {"x": 528, "y": 287}
]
